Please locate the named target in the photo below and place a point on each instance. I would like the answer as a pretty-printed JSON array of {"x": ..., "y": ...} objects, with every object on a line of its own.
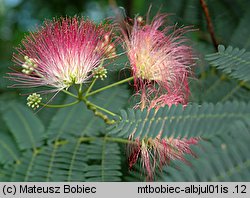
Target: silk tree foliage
[{"x": 104, "y": 138}]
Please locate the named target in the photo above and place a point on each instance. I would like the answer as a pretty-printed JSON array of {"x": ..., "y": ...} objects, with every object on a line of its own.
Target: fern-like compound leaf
[
  {"x": 232, "y": 61},
  {"x": 26, "y": 128},
  {"x": 192, "y": 121},
  {"x": 224, "y": 157}
]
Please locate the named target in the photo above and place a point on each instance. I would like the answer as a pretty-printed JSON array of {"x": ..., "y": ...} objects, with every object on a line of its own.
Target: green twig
[
  {"x": 87, "y": 139},
  {"x": 101, "y": 108},
  {"x": 60, "y": 106},
  {"x": 69, "y": 93},
  {"x": 110, "y": 139},
  {"x": 91, "y": 86},
  {"x": 99, "y": 114},
  {"x": 119, "y": 140},
  {"x": 209, "y": 23},
  {"x": 244, "y": 84},
  {"x": 109, "y": 86}
]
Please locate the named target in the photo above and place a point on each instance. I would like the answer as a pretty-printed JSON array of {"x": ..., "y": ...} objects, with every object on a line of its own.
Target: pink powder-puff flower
[
  {"x": 155, "y": 153},
  {"x": 160, "y": 59},
  {"x": 61, "y": 53},
  {"x": 160, "y": 62}
]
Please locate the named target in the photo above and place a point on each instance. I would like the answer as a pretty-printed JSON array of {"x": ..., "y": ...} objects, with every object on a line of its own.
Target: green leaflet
[
  {"x": 216, "y": 88},
  {"x": 79, "y": 121},
  {"x": 9, "y": 151},
  {"x": 232, "y": 61},
  {"x": 27, "y": 129},
  {"x": 224, "y": 157},
  {"x": 109, "y": 156},
  {"x": 72, "y": 161},
  {"x": 67, "y": 122},
  {"x": 194, "y": 120},
  {"x": 241, "y": 34},
  {"x": 66, "y": 154}
]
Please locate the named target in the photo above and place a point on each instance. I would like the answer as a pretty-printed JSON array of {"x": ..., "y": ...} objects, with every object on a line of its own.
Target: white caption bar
[{"x": 123, "y": 189}]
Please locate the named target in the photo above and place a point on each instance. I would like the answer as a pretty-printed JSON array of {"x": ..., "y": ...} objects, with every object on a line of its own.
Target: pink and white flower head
[
  {"x": 160, "y": 62},
  {"x": 155, "y": 153},
  {"x": 61, "y": 53},
  {"x": 159, "y": 58}
]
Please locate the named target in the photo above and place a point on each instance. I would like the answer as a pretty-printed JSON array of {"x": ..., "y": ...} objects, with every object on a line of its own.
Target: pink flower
[
  {"x": 61, "y": 53},
  {"x": 160, "y": 60},
  {"x": 155, "y": 153}
]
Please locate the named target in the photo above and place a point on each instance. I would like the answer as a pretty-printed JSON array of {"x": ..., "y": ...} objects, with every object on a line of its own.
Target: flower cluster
[
  {"x": 29, "y": 65},
  {"x": 34, "y": 100},
  {"x": 61, "y": 53},
  {"x": 160, "y": 62},
  {"x": 69, "y": 51},
  {"x": 157, "y": 152},
  {"x": 100, "y": 72}
]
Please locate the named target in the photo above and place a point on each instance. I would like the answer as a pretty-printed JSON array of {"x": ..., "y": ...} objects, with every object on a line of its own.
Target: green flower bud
[
  {"x": 29, "y": 65},
  {"x": 100, "y": 72},
  {"x": 34, "y": 100}
]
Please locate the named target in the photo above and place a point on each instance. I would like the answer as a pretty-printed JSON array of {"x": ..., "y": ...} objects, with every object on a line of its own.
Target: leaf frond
[{"x": 233, "y": 61}]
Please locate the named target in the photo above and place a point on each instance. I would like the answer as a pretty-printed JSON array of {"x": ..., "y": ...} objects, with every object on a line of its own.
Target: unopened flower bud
[
  {"x": 139, "y": 19},
  {"x": 29, "y": 65},
  {"x": 100, "y": 72},
  {"x": 34, "y": 100}
]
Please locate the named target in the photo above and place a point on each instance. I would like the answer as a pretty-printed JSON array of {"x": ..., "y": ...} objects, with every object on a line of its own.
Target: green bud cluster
[
  {"x": 100, "y": 72},
  {"x": 34, "y": 100},
  {"x": 29, "y": 65}
]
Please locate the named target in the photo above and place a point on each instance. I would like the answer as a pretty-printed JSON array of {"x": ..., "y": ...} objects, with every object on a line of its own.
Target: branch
[{"x": 209, "y": 23}]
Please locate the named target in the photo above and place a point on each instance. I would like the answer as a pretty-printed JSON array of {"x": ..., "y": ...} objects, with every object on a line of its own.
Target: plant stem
[
  {"x": 102, "y": 109},
  {"x": 209, "y": 23},
  {"x": 80, "y": 88},
  {"x": 119, "y": 140},
  {"x": 110, "y": 139},
  {"x": 60, "y": 106},
  {"x": 109, "y": 86},
  {"x": 87, "y": 139},
  {"x": 244, "y": 84},
  {"x": 91, "y": 86},
  {"x": 99, "y": 114},
  {"x": 71, "y": 94}
]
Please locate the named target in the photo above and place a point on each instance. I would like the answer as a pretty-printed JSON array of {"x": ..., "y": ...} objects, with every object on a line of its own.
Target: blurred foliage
[{"x": 19, "y": 145}]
